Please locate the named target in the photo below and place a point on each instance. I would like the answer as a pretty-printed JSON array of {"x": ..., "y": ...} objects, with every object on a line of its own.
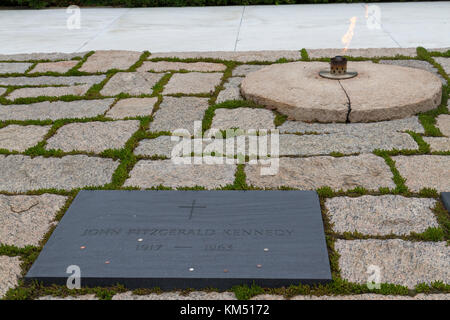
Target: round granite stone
[{"x": 379, "y": 92}]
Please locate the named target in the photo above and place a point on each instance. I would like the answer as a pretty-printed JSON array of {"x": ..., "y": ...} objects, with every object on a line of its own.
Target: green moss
[
  {"x": 304, "y": 54},
  {"x": 399, "y": 181},
  {"x": 245, "y": 292}
]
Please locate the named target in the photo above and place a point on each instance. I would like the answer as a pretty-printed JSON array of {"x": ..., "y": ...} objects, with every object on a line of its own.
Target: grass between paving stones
[
  {"x": 128, "y": 160},
  {"x": 428, "y": 119}
]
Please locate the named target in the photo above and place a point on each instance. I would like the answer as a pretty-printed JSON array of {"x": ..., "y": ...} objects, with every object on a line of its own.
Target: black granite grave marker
[
  {"x": 188, "y": 239},
  {"x": 445, "y": 196}
]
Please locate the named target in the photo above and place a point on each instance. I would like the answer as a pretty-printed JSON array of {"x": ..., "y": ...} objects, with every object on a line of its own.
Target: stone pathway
[{"x": 105, "y": 119}]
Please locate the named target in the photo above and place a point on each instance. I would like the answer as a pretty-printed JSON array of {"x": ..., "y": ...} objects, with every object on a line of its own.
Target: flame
[
  {"x": 366, "y": 14},
  {"x": 347, "y": 38}
]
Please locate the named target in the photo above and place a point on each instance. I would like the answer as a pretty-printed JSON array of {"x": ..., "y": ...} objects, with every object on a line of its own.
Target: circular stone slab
[{"x": 379, "y": 92}]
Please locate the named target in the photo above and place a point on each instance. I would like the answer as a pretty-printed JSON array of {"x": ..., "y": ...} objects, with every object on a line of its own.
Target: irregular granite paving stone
[
  {"x": 59, "y": 66},
  {"x": 132, "y": 107},
  {"x": 77, "y": 109},
  {"x": 9, "y": 273},
  {"x": 243, "y": 118},
  {"x": 193, "y": 83},
  {"x": 418, "y": 64},
  {"x": 2, "y": 91},
  {"x": 178, "y": 113},
  {"x": 444, "y": 62},
  {"x": 176, "y": 295},
  {"x": 365, "y": 53},
  {"x": 51, "y": 80},
  {"x": 424, "y": 171},
  {"x": 51, "y": 56},
  {"x": 292, "y": 144},
  {"x": 133, "y": 83},
  {"x": 160, "y": 146},
  {"x": 76, "y": 90},
  {"x": 102, "y": 61},
  {"x": 19, "y": 138},
  {"x": 148, "y": 174},
  {"x": 381, "y": 215},
  {"x": 231, "y": 90},
  {"x": 95, "y": 136},
  {"x": 443, "y": 123},
  {"x": 441, "y": 50},
  {"x": 24, "y": 220},
  {"x": 161, "y": 66},
  {"x": 366, "y": 170},
  {"x": 438, "y": 143},
  {"x": 14, "y": 67},
  {"x": 401, "y": 262},
  {"x": 398, "y": 125},
  {"x": 163, "y": 146},
  {"x": 245, "y": 69},
  {"x": 241, "y": 56},
  {"x": 22, "y": 173}
]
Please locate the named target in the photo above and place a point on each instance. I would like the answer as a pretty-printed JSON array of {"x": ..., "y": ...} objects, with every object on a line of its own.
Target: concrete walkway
[{"x": 235, "y": 28}]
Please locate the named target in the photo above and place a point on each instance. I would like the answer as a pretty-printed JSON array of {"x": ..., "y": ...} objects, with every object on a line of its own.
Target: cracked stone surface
[
  {"x": 419, "y": 64},
  {"x": 443, "y": 123},
  {"x": 405, "y": 92},
  {"x": 424, "y": 171},
  {"x": 243, "y": 118},
  {"x": 93, "y": 136},
  {"x": 102, "y": 61},
  {"x": 411, "y": 123},
  {"x": 59, "y": 66},
  {"x": 161, "y": 66},
  {"x": 21, "y": 173},
  {"x": 381, "y": 215},
  {"x": 366, "y": 170},
  {"x": 401, "y": 262},
  {"x": 50, "y": 80},
  {"x": 291, "y": 144},
  {"x": 55, "y": 110},
  {"x": 14, "y": 67},
  {"x": 241, "y": 56},
  {"x": 133, "y": 83},
  {"x": 19, "y": 138},
  {"x": 444, "y": 62},
  {"x": 195, "y": 295},
  {"x": 51, "y": 56},
  {"x": 296, "y": 90},
  {"x": 132, "y": 107},
  {"x": 193, "y": 83},
  {"x": 231, "y": 90},
  {"x": 24, "y": 220},
  {"x": 9, "y": 273},
  {"x": 290, "y": 89},
  {"x": 148, "y": 174},
  {"x": 438, "y": 143},
  {"x": 366, "y": 53},
  {"x": 76, "y": 90},
  {"x": 245, "y": 69},
  {"x": 179, "y": 113}
]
